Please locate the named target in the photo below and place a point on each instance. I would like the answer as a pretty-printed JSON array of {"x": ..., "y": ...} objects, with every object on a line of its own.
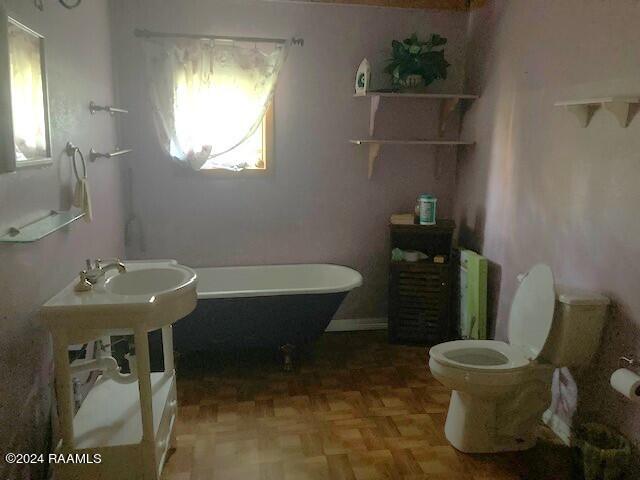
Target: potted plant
[{"x": 415, "y": 63}]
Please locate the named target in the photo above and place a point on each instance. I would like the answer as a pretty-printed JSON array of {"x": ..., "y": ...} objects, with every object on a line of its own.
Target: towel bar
[
  {"x": 93, "y": 155},
  {"x": 93, "y": 108}
]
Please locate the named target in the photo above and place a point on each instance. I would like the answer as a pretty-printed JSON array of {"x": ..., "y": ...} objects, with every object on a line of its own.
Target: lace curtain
[{"x": 209, "y": 96}]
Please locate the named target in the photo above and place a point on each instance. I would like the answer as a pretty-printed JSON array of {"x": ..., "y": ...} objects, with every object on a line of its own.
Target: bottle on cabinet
[{"x": 427, "y": 209}]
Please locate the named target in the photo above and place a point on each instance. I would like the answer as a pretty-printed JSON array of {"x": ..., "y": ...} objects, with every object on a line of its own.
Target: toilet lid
[{"x": 532, "y": 309}]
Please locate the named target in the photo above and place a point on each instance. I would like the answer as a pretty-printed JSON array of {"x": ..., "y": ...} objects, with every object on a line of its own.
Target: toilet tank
[{"x": 576, "y": 329}]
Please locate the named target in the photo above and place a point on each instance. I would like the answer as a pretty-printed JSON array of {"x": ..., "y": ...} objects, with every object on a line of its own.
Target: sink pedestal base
[
  {"x": 125, "y": 426},
  {"x": 130, "y": 427}
]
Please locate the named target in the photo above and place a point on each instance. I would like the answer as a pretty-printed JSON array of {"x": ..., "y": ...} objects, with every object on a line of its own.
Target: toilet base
[{"x": 489, "y": 425}]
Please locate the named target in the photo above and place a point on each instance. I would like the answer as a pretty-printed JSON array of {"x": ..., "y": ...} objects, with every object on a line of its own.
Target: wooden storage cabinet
[
  {"x": 419, "y": 302},
  {"x": 420, "y": 293}
]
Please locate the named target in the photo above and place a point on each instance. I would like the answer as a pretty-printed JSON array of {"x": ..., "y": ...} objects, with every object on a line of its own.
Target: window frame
[{"x": 268, "y": 139}]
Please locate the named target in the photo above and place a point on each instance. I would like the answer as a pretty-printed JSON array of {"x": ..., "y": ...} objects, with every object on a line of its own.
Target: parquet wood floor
[{"x": 355, "y": 408}]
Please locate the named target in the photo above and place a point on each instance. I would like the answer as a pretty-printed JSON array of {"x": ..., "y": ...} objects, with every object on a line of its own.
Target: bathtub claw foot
[{"x": 287, "y": 353}]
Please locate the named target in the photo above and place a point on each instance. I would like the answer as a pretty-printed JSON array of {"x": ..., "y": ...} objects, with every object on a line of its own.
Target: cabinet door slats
[{"x": 419, "y": 302}]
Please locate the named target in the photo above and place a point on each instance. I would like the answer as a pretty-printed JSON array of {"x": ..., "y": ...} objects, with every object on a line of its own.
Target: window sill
[
  {"x": 37, "y": 162},
  {"x": 219, "y": 172}
]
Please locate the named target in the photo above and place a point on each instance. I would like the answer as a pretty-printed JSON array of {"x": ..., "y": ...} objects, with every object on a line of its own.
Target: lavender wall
[
  {"x": 79, "y": 70},
  {"x": 538, "y": 188},
  {"x": 317, "y": 205}
]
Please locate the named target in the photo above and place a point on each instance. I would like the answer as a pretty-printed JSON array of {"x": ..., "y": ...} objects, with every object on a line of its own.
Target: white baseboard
[
  {"x": 353, "y": 324},
  {"x": 558, "y": 426}
]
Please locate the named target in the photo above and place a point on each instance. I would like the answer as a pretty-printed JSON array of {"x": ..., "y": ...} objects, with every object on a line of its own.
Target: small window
[
  {"x": 217, "y": 88},
  {"x": 253, "y": 155}
]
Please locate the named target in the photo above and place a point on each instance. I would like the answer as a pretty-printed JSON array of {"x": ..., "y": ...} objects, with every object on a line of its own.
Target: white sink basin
[
  {"x": 148, "y": 281},
  {"x": 150, "y": 295}
]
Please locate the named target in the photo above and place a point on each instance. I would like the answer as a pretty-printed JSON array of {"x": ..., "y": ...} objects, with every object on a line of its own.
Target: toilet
[{"x": 500, "y": 390}]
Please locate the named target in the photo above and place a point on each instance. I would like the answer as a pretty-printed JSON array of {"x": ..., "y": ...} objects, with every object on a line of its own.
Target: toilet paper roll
[{"x": 627, "y": 383}]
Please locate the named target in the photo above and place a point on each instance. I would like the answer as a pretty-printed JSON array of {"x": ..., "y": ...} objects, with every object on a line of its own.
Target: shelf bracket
[
  {"x": 447, "y": 106},
  {"x": 375, "y": 104},
  {"x": 583, "y": 113},
  {"x": 618, "y": 106},
  {"x": 620, "y": 110},
  {"x": 374, "y": 151}
]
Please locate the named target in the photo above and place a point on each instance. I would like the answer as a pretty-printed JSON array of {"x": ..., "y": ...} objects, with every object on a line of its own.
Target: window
[
  {"x": 212, "y": 99},
  {"x": 218, "y": 114},
  {"x": 254, "y": 155}
]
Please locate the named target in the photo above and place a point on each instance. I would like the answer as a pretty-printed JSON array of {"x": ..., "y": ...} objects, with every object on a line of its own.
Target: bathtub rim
[{"x": 354, "y": 281}]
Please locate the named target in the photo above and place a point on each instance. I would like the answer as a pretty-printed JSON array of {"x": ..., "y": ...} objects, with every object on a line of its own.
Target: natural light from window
[
  {"x": 249, "y": 155},
  {"x": 194, "y": 123},
  {"x": 221, "y": 90}
]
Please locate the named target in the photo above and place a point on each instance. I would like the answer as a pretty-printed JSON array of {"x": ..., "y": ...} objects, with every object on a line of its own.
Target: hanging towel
[
  {"x": 81, "y": 196},
  {"x": 82, "y": 199}
]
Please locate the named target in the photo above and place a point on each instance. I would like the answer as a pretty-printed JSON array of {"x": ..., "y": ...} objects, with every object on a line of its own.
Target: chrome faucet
[{"x": 95, "y": 272}]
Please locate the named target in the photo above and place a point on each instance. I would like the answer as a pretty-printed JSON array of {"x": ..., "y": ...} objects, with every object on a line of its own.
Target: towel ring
[
  {"x": 70, "y": 5},
  {"x": 71, "y": 151}
]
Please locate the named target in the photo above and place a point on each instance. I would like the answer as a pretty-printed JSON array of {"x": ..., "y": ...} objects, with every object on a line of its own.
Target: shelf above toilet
[{"x": 584, "y": 109}]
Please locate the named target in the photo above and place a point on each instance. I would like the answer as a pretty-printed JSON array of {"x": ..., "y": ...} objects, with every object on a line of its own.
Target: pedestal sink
[
  {"x": 151, "y": 293},
  {"x": 130, "y": 425}
]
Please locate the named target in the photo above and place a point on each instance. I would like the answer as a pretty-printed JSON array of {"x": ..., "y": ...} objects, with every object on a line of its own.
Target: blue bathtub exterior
[{"x": 255, "y": 322}]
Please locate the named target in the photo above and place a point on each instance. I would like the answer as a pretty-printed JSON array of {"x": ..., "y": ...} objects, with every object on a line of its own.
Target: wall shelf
[
  {"x": 584, "y": 109},
  {"x": 38, "y": 229},
  {"x": 374, "y": 93},
  {"x": 409, "y": 142},
  {"x": 448, "y": 104},
  {"x": 375, "y": 144}
]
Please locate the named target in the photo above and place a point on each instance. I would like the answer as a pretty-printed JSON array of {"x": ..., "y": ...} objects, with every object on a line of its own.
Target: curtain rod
[{"x": 143, "y": 33}]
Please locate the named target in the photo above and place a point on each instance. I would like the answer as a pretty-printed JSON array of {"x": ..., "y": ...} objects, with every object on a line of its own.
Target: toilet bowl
[
  {"x": 500, "y": 389},
  {"x": 489, "y": 368}
]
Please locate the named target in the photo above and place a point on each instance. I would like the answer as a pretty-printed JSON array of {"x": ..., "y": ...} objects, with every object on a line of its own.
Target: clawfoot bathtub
[{"x": 272, "y": 306}]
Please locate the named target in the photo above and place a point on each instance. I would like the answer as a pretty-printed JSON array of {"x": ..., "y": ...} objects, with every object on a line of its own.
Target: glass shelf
[
  {"x": 437, "y": 96},
  {"x": 41, "y": 228}
]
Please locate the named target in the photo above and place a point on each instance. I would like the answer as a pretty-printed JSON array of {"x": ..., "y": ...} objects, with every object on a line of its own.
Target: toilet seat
[
  {"x": 532, "y": 309},
  {"x": 530, "y": 321},
  {"x": 482, "y": 356}
]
